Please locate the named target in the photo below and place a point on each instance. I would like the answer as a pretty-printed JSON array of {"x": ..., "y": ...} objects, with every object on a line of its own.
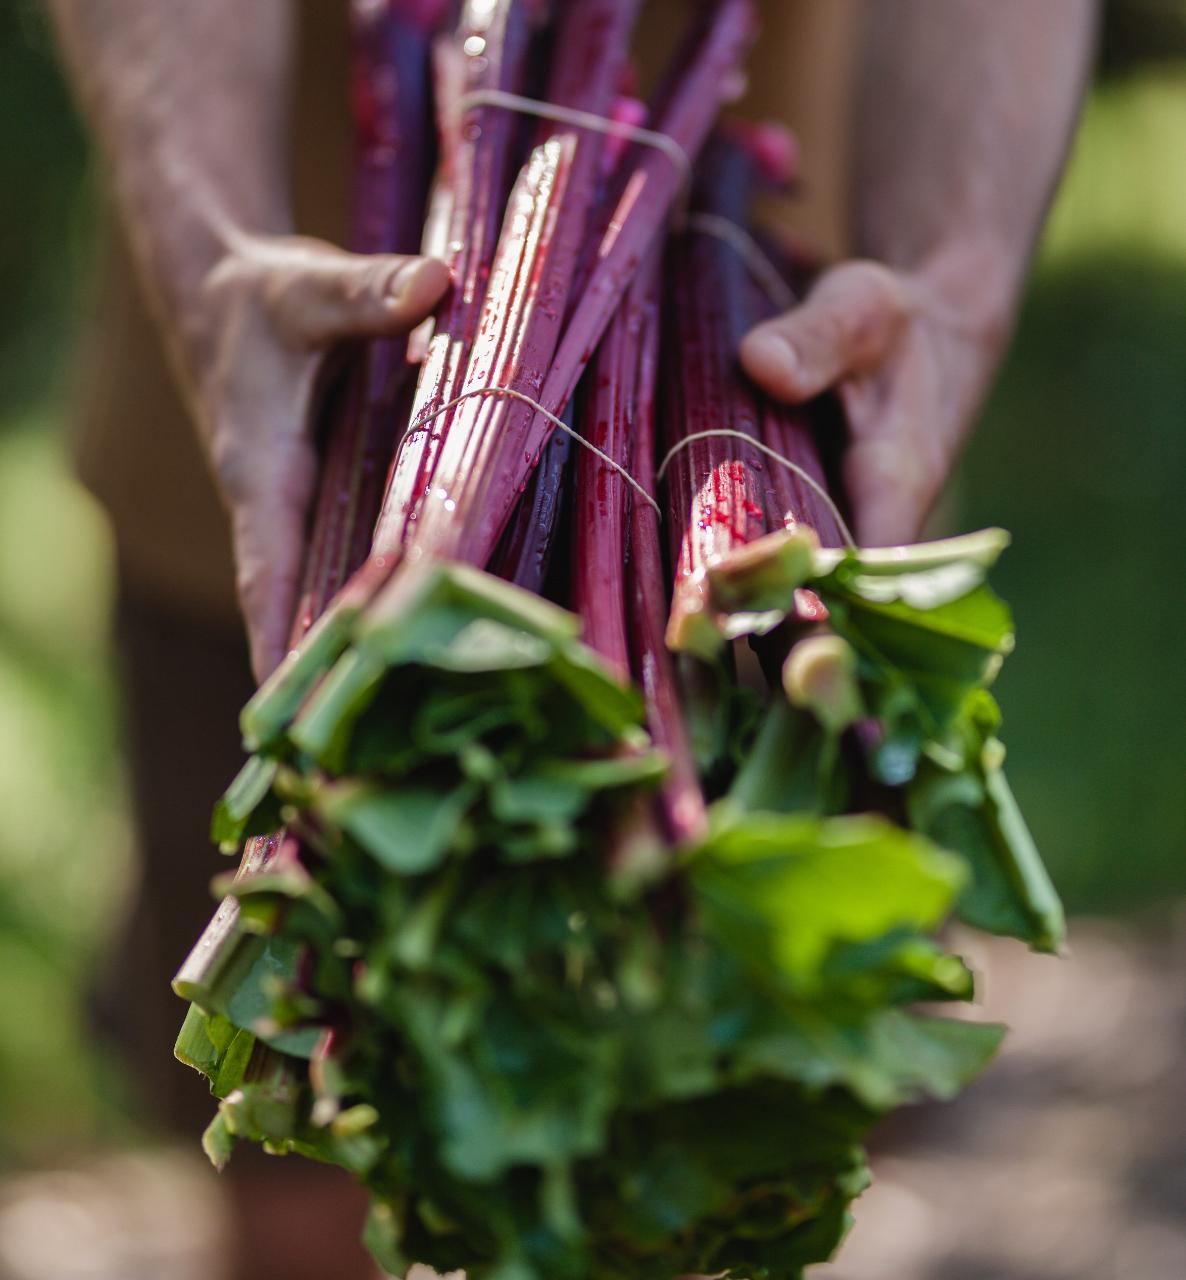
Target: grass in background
[
  {"x": 1082, "y": 454},
  {"x": 44, "y": 212},
  {"x": 64, "y": 835}
]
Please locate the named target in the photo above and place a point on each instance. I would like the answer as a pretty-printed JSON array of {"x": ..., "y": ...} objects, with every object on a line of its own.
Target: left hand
[{"x": 910, "y": 354}]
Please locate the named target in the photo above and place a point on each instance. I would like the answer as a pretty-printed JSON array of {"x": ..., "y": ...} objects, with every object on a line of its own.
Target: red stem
[
  {"x": 681, "y": 800},
  {"x": 602, "y": 498},
  {"x": 525, "y": 554},
  {"x": 641, "y": 200},
  {"x": 478, "y": 455},
  {"x": 489, "y": 50},
  {"x": 718, "y": 490},
  {"x": 393, "y": 157}
]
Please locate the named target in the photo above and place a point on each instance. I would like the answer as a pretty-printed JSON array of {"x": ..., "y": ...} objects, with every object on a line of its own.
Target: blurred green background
[{"x": 1082, "y": 454}]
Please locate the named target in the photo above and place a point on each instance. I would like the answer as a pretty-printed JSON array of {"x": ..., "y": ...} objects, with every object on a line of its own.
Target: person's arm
[
  {"x": 190, "y": 105},
  {"x": 965, "y": 112}
]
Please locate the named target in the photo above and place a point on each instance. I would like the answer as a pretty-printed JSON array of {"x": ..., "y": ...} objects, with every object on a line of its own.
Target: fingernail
[
  {"x": 400, "y": 280},
  {"x": 409, "y": 277},
  {"x": 767, "y": 347}
]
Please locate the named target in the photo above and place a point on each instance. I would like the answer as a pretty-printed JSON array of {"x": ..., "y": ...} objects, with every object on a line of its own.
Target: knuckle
[
  {"x": 232, "y": 467},
  {"x": 884, "y": 285},
  {"x": 366, "y": 284},
  {"x": 230, "y": 278},
  {"x": 285, "y": 298},
  {"x": 870, "y": 306},
  {"x": 251, "y": 578}
]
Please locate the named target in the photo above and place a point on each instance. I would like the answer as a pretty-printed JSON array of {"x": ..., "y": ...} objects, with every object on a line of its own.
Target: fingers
[
  {"x": 331, "y": 295},
  {"x": 890, "y": 495},
  {"x": 272, "y": 308},
  {"x": 269, "y": 511},
  {"x": 898, "y": 454},
  {"x": 848, "y": 326}
]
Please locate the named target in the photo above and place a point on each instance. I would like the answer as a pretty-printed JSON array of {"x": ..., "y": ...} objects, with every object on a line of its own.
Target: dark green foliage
[{"x": 539, "y": 1067}]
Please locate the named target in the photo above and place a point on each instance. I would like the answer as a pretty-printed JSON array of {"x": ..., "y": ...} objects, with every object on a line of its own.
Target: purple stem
[
  {"x": 601, "y": 502},
  {"x": 489, "y": 51},
  {"x": 718, "y": 490},
  {"x": 477, "y": 454},
  {"x": 641, "y": 200},
  {"x": 525, "y": 555},
  {"x": 390, "y": 96},
  {"x": 681, "y": 801}
]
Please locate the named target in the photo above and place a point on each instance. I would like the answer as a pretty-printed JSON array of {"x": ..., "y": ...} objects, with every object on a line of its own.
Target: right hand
[{"x": 251, "y": 350}]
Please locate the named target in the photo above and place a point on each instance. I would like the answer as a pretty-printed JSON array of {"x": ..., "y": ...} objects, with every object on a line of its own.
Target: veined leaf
[
  {"x": 789, "y": 888},
  {"x": 973, "y": 813},
  {"x": 887, "y": 1059},
  {"x": 408, "y": 830},
  {"x": 981, "y": 549}
]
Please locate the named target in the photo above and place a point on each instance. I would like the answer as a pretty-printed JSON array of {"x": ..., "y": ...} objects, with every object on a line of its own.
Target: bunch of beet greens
[{"x": 598, "y": 826}]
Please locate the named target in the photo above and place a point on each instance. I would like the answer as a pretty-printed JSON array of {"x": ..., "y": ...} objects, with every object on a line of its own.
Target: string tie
[
  {"x": 509, "y": 393},
  {"x": 765, "y": 273},
  {"x": 808, "y": 479},
  {"x": 763, "y": 270},
  {"x": 663, "y": 142}
]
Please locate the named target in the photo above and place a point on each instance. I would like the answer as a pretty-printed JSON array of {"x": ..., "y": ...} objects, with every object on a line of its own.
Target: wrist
[{"x": 971, "y": 284}]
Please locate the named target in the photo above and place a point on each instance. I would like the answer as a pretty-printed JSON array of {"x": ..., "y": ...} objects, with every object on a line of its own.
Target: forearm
[
  {"x": 190, "y": 105},
  {"x": 965, "y": 115}
]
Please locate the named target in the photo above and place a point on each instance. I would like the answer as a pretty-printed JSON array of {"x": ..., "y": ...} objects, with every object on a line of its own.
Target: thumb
[
  {"x": 268, "y": 517},
  {"x": 848, "y": 326},
  {"x": 333, "y": 295}
]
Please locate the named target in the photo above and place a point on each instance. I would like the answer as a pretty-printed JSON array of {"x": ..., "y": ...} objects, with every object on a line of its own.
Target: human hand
[
  {"x": 251, "y": 347},
  {"x": 910, "y": 354}
]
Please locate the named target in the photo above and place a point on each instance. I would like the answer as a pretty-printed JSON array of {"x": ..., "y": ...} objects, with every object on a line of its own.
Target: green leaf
[
  {"x": 934, "y": 1056},
  {"x": 382, "y": 1237},
  {"x": 897, "y": 968},
  {"x": 627, "y": 769},
  {"x": 217, "y": 1048},
  {"x": 276, "y": 702},
  {"x": 538, "y": 798},
  {"x": 886, "y": 1059},
  {"x": 324, "y": 726},
  {"x": 604, "y": 699},
  {"x": 243, "y": 797},
  {"x": 789, "y": 769},
  {"x": 246, "y": 992},
  {"x": 696, "y": 1159},
  {"x": 981, "y": 549},
  {"x": 408, "y": 830},
  {"x": 974, "y": 814},
  {"x": 218, "y": 1142},
  {"x": 453, "y": 720},
  {"x": 786, "y": 889},
  {"x": 962, "y": 641},
  {"x": 419, "y": 616}
]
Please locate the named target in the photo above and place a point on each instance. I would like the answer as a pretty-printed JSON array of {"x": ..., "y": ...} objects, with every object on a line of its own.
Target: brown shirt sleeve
[{"x": 137, "y": 452}]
